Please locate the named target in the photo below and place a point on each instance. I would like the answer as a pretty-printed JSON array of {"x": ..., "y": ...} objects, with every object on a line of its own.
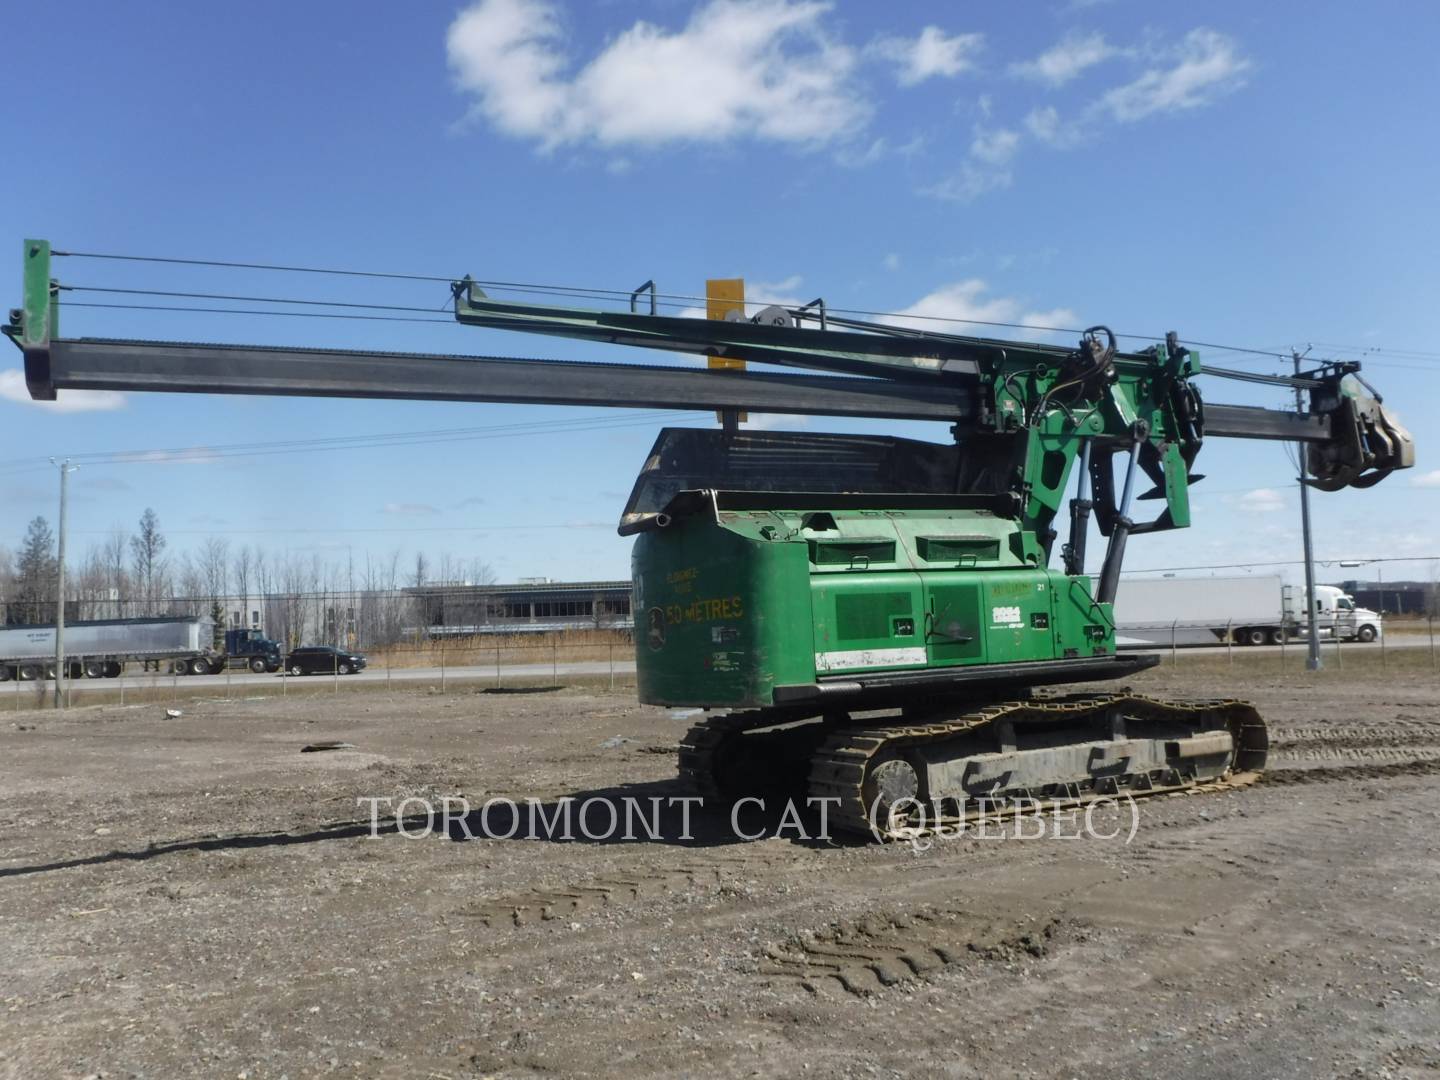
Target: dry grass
[
  {"x": 473, "y": 671},
  {"x": 1408, "y": 625},
  {"x": 35, "y": 700},
  {"x": 568, "y": 646},
  {"x": 1350, "y": 659}
]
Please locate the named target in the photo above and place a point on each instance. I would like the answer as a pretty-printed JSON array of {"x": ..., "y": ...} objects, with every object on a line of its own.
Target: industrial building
[
  {"x": 1394, "y": 598},
  {"x": 533, "y": 606}
]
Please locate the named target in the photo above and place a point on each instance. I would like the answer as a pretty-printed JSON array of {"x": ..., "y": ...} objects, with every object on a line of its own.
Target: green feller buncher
[{"x": 865, "y": 618}]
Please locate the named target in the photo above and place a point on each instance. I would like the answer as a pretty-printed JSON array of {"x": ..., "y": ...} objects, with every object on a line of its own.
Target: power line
[
  {"x": 594, "y": 293},
  {"x": 1409, "y": 354},
  {"x": 247, "y": 266},
  {"x": 1283, "y": 562},
  {"x": 426, "y": 432},
  {"x": 668, "y": 300},
  {"x": 260, "y": 311},
  {"x": 204, "y": 454},
  {"x": 230, "y": 530},
  {"x": 246, "y": 299},
  {"x": 1244, "y": 357}
]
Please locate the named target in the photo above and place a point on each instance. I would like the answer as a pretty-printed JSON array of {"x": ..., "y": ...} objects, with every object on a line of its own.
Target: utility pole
[
  {"x": 1312, "y": 658},
  {"x": 60, "y": 670}
]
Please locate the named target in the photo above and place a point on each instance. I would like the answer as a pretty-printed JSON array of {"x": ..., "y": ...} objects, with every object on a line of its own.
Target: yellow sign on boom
[{"x": 725, "y": 299}]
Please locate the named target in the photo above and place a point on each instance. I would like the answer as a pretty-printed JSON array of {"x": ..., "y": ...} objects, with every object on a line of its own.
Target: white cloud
[
  {"x": 768, "y": 291},
  {"x": 1429, "y": 479},
  {"x": 194, "y": 455},
  {"x": 1067, "y": 59},
  {"x": 408, "y": 509},
  {"x": 1045, "y": 125},
  {"x": 969, "y": 182},
  {"x": 1198, "y": 70},
  {"x": 931, "y": 55},
  {"x": 995, "y": 147},
  {"x": 861, "y": 154},
  {"x": 12, "y": 388},
  {"x": 970, "y": 301},
  {"x": 776, "y": 422},
  {"x": 1204, "y": 67},
  {"x": 1261, "y": 501},
  {"x": 986, "y": 168},
  {"x": 1058, "y": 319},
  {"x": 764, "y": 69}
]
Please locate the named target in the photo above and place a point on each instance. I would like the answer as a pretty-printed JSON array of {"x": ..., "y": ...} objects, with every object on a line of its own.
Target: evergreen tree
[
  {"x": 35, "y": 575},
  {"x": 217, "y": 625}
]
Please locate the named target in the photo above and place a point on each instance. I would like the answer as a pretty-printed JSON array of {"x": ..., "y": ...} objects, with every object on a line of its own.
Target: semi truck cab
[
  {"x": 1339, "y": 617},
  {"x": 252, "y": 649}
]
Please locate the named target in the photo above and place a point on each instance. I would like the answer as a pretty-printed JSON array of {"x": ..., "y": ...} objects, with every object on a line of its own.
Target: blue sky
[{"x": 1249, "y": 174}]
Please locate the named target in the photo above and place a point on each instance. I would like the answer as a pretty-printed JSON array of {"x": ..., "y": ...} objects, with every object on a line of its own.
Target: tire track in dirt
[
  {"x": 1416, "y": 730},
  {"x": 545, "y": 905},
  {"x": 1254, "y": 847},
  {"x": 1424, "y": 766},
  {"x": 1360, "y": 755},
  {"x": 528, "y": 907},
  {"x": 866, "y": 956},
  {"x": 1308, "y": 740},
  {"x": 888, "y": 948}
]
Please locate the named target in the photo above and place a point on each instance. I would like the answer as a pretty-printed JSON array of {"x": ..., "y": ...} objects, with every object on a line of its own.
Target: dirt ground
[{"x": 194, "y": 896}]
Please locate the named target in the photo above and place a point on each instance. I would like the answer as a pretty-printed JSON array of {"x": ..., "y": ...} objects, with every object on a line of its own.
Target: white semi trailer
[
  {"x": 1250, "y": 610},
  {"x": 99, "y": 649}
]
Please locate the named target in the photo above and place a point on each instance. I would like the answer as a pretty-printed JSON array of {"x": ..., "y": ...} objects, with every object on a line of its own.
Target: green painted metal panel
[
  {"x": 852, "y": 554},
  {"x": 867, "y": 620},
  {"x": 952, "y": 624},
  {"x": 1017, "y": 615},
  {"x": 720, "y": 617},
  {"x": 865, "y": 616},
  {"x": 1083, "y": 627},
  {"x": 40, "y": 319}
]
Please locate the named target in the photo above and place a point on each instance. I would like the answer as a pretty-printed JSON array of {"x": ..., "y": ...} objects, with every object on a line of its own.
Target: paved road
[
  {"x": 1327, "y": 648},
  {"x": 509, "y": 674},
  {"x": 513, "y": 673}
]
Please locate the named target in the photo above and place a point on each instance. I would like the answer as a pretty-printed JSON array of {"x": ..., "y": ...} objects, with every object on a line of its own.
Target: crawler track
[{"x": 840, "y": 756}]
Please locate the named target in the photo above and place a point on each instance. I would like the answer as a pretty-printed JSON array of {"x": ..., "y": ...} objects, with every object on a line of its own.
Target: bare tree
[
  {"x": 189, "y": 592},
  {"x": 117, "y": 579},
  {"x": 87, "y": 584},
  {"x": 214, "y": 569},
  {"x": 7, "y": 576},
  {"x": 244, "y": 564},
  {"x": 147, "y": 548},
  {"x": 480, "y": 572},
  {"x": 382, "y": 606}
]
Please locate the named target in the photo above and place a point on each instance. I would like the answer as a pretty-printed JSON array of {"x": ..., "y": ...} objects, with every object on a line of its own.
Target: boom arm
[
  {"x": 1035, "y": 409},
  {"x": 1026, "y": 412}
]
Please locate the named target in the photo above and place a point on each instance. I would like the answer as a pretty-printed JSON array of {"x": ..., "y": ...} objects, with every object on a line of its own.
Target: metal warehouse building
[
  {"x": 1393, "y": 598},
  {"x": 457, "y": 610}
]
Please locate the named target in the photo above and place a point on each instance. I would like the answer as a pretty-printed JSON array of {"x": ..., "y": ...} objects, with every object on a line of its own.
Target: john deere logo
[{"x": 655, "y": 629}]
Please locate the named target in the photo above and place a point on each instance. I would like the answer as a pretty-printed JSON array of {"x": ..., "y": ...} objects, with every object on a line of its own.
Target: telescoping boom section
[{"x": 795, "y": 575}]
